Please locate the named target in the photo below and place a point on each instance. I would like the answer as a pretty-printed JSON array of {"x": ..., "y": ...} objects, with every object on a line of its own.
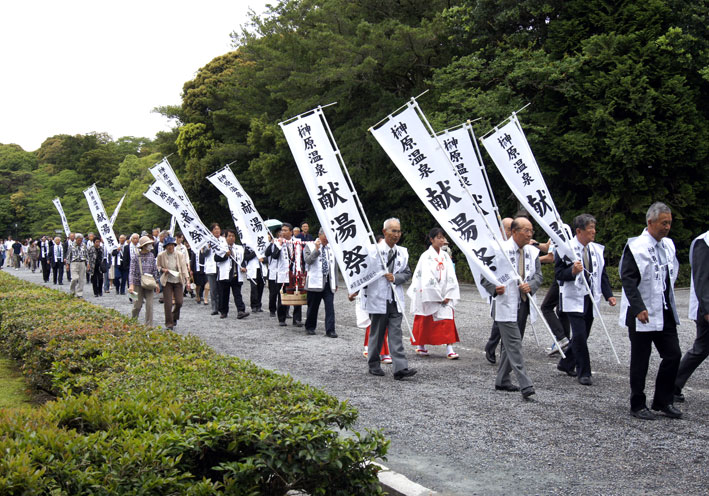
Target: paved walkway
[{"x": 452, "y": 432}]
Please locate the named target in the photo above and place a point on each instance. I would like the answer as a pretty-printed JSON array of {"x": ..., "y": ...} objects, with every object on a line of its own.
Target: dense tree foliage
[{"x": 617, "y": 116}]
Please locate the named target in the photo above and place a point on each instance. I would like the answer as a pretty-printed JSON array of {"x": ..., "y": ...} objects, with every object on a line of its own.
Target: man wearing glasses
[
  {"x": 648, "y": 271},
  {"x": 575, "y": 301}
]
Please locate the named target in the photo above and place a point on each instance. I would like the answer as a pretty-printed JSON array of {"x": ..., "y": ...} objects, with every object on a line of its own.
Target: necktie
[
  {"x": 60, "y": 253},
  {"x": 587, "y": 265},
  {"x": 325, "y": 265},
  {"x": 390, "y": 260},
  {"x": 520, "y": 269}
]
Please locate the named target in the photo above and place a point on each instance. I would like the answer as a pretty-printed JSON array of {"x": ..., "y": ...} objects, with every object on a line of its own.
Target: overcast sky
[{"x": 77, "y": 66}]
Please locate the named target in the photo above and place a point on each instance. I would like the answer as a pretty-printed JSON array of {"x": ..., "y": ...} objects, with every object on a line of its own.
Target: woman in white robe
[{"x": 434, "y": 292}]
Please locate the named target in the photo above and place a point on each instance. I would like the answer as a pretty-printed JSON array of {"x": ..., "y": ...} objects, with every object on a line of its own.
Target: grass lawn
[{"x": 12, "y": 386}]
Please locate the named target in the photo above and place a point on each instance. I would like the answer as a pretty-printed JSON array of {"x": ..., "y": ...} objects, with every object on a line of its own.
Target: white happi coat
[
  {"x": 693, "y": 300},
  {"x": 506, "y": 304},
  {"x": 314, "y": 278},
  {"x": 224, "y": 267},
  {"x": 283, "y": 267},
  {"x": 433, "y": 281},
  {"x": 272, "y": 267},
  {"x": 652, "y": 280},
  {"x": 572, "y": 293},
  {"x": 376, "y": 295}
]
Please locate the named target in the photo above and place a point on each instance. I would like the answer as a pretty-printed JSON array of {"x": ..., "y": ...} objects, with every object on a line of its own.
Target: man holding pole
[
  {"x": 575, "y": 301},
  {"x": 648, "y": 271},
  {"x": 510, "y": 306},
  {"x": 383, "y": 305}
]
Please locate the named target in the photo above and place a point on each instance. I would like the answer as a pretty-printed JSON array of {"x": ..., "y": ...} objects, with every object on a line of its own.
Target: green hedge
[{"x": 142, "y": 411}]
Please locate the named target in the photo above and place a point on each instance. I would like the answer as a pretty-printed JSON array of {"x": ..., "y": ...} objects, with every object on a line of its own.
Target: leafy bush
[{"x": 145, "y": 411}]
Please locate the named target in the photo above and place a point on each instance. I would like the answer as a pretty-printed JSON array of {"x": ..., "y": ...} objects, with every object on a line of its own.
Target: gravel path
[{"x": 452, "y": 432}]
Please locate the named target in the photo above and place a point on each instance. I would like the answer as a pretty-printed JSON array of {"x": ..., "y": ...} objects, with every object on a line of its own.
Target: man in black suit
[
  {"x": 698, "y": 311},
  {"x": 56, "y": 258},
  {"x": 648, "y": 271},
  {"x": 44, "y": 247}
]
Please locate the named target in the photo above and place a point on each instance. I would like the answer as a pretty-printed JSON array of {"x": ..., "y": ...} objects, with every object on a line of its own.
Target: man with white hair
[
  {"x": 648, "y": 270},
  {"x": 76, "y": 260},
  {"x": 385, "y": 312}
]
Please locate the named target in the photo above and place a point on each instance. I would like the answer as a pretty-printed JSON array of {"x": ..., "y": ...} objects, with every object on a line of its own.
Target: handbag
[{"x": 147, "y": 281}]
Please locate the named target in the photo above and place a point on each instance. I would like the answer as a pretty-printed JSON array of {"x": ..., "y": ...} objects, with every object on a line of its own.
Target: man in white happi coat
[
  {"x": 320, "y": 283},
  {"x": 289, "y": 271},
  {"x": 510, "y": 305},
  {"x": 575, "y": 301},
  {"x": 648, "y": 270},
  {"x": 385, "y": 310},
  {"x": 698, "y": 311}
]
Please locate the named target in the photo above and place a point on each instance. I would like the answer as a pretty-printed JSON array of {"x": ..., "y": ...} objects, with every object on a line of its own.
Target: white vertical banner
[
  {"x": 194, "y": 231},
  {"x": 249, "y": 224},
  {"x": 509, "y": 150},
  {"x": 319, "y": 163},
  {"x": 103, "y": 224},
  {"x": 162, "y": 171},
  {"x": 458, "y": 144},
  {"x": 118, "y": 208},
  {"x": 58, "y": 204},
  {"x": 405, "y": 138}
]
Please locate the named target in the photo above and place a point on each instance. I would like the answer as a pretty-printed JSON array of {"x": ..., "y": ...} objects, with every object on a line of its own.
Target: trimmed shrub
[{"x": 143, "y": 411}]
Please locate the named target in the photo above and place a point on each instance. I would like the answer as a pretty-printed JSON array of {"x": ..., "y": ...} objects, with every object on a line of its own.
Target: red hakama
[{"x": 434, "y": 332}]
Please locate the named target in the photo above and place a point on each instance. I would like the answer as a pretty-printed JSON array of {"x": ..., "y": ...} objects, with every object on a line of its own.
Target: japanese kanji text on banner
[
  {"x": 406, "y": 140},
  {"x": 162, "y": 171},
  {"x": 252, "y": 231},
  {"x": 57, "y": 203},
  {"x": 318, "y": 161},
  {"x": 103, "y": 223},
  {"x": 508, "y": 148}
]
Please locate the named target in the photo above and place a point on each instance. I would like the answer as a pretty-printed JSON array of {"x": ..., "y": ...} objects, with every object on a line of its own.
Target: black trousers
[
  {"x": 558, "y": 321},
  {"x": 577, "y": 353},
  {"x": 695, "y": 356},
  {"x": 46, "y": 269},
  {"x": 314, "y": 299},
  {"x": 257, "y": 290},
  {"x": 225, "y": 286},
  {"x": 97, "y": 282},
  {"x": 667, "y": 345},
  {"x": 58, "y": 272},
  {"x": 273, "y": 288}
]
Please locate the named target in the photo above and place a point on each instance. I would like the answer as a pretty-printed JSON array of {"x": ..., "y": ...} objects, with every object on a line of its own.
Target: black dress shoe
[
  {"x": 282, "y": 324},
  {"x": 670, "y": 411},
  {"x": 568, "y": 372},
  {"x": 273, "y": 314},
  {"x": 679, "y": 398},
  {"x": 297, "y": 323},
  {"x": 490, "y": 356},
  {"x": 527, "y": 393},
  {"x": 378, "y": 372},
  {"x": 643, "y": 414},
  {"x": 585, "y": 381},
  {"x": 310, "y": 332},
  {"x": 332, "y": 334},
  {"x": 510, "y": 388},
  {"x": 241, "y": 315},
  {"x": 215, "y": 313},
  {"x": 223, "y": 316},
  {"x": 404, "y": 373}
]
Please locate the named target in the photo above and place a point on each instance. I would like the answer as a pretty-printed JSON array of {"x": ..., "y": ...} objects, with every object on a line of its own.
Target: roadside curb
[{"x": 396, "y": 484}]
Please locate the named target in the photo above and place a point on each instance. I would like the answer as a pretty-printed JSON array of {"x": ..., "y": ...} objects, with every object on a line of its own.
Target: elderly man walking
[
  {"x": 76, "y": 260},
  {"x": 384, "y": 311},
  {"x": 648, "y": 270}
]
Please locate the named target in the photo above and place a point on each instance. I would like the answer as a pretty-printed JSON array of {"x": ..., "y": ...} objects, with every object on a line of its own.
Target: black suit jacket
[
  {"x": 630, "y": 277},
  {"x": 700, "y": 275}
]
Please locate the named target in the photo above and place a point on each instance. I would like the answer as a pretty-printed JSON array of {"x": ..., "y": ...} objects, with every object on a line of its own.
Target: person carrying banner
[
  {"x": 210, "y": 270},
  {"x": 510, "y": 305},
  {"x": 574, "y": 301},
  {"x": 648, "y": 271},
  {"x": 494, "y": 338},
  {"x": 698, "y": 311},
  {"x": 272, "y": 257},
  {"x": 320, "y": 283},
  {"x": 94, "y": 266},
  {"x": 434, "y": 293},
  {"x": 254, "y": 273},
  {"x": 379, "y": 301},
  {"x": 76, "y": 260},
  {"x": 174, "y": 275},
  {"x": 288, "y": 276},
  {"x": 230, "y": 274}
]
